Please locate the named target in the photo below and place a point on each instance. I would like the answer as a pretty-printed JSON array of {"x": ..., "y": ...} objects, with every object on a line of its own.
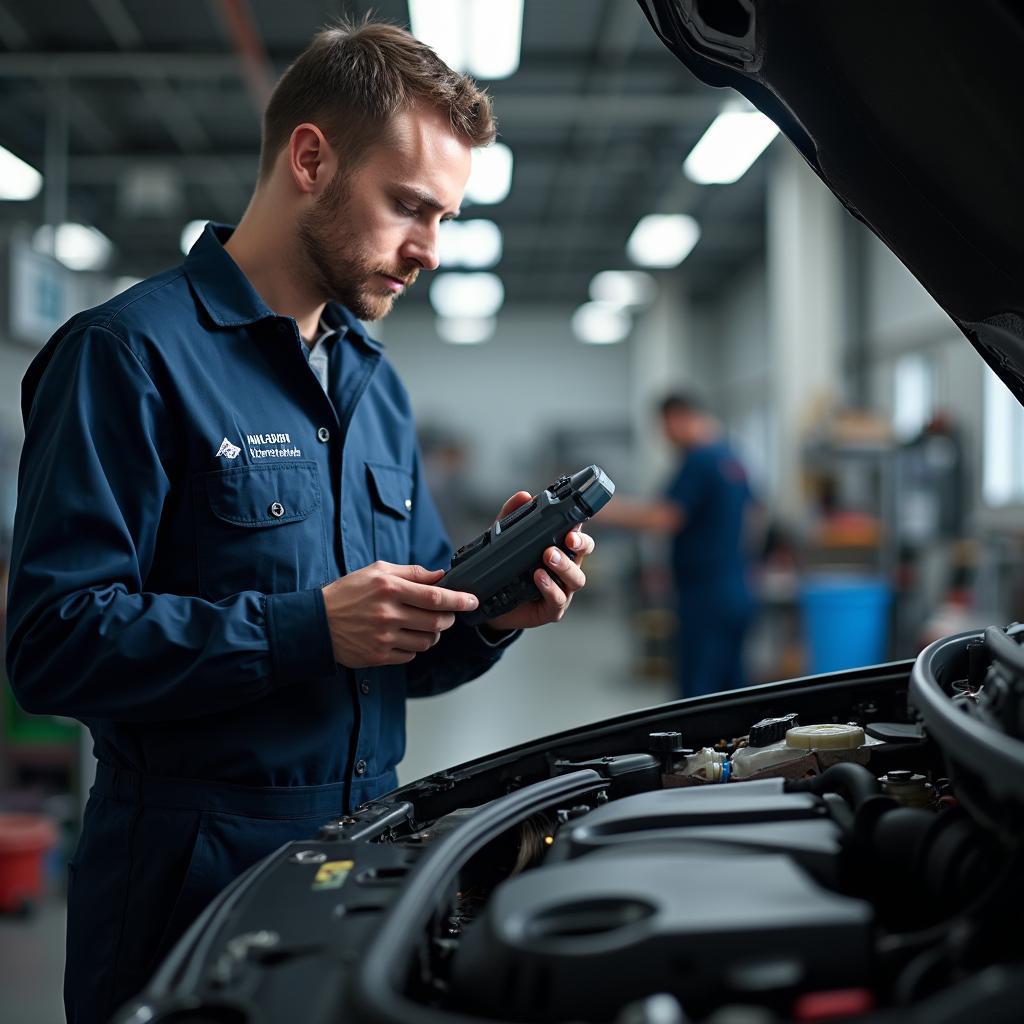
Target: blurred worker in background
[{"x": 706, "y": 511}]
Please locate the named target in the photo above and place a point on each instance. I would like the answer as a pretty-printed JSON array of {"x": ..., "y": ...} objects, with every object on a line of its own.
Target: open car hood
[{"x": 911, "y": 114}]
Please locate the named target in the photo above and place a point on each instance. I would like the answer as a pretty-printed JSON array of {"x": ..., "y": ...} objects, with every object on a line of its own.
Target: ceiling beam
[
  {"x": 117, "y": 64},
  {"x": 100, "y": 168},
  {"x": 513, "y": 109},
  {"x": 199, "y": 168},
  {"x": 590, "y": 111}
]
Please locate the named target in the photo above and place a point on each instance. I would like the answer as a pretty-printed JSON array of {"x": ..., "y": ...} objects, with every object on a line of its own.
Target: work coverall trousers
[
  {"x": 713, "y": 625},
  {"x": 152, "y": 855}
]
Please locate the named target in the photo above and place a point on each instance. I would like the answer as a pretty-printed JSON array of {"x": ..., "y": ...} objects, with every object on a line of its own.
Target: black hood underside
[{"x": 911, "y": 113}]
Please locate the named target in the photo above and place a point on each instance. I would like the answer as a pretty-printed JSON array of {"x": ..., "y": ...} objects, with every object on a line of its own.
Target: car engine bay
[{"x": 851, "y": 848}]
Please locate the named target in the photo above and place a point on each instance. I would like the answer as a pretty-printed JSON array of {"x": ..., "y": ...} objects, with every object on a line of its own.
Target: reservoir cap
[{"x": 830, "y": 736}]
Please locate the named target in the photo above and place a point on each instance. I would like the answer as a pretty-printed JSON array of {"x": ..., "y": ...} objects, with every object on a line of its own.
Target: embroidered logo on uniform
[
  {"x": 228, "y": 450},
  {"x": 273, "y": 445}
]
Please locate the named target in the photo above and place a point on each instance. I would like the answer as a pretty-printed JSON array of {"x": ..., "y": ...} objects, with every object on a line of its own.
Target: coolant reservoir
[
  {"x": 749, "y": 761},
  {"x": 828, "y": 739},
  {"x": 825, "y": 737}
]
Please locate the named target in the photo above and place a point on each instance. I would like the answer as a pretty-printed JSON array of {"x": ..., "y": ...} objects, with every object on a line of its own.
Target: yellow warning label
[{"x": 332, "y": 874}]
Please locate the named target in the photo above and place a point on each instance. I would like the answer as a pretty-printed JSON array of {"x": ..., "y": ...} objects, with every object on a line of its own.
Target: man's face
[
  {"x": 678, "y": 425},
  {"x": 372, "y": 230}
]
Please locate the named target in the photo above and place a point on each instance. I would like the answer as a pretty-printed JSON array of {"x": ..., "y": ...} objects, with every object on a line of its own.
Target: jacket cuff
[
  {"x": 497, "y": 637},
  {"x": 300, "y": 639}
]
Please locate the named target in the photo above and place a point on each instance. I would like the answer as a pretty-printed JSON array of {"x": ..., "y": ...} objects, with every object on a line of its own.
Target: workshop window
[
  {"x": 913, "y": 395},
  {"x": 1002, "y": 445},
  {"x": 754, "y": 436}
]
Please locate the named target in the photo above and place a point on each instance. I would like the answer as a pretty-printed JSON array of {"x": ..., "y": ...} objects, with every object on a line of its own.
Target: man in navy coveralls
[
  {"x": 706, "y": 509},
  {"x": 225, "y": 555}
]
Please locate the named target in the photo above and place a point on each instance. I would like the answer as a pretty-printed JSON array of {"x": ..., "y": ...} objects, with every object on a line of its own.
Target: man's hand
[
  {"x": 387, "y": 614},
  {"x": 556, "y": 584}
]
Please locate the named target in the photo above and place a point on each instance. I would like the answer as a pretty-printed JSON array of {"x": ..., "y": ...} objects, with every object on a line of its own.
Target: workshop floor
[
  {"x": 554, "y": 679},
  {"x": 550, "y": 680}
]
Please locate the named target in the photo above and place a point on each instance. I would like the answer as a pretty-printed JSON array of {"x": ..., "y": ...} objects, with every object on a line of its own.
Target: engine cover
[
  {"x": 582, "y": 939},
  {"x": 722, "y": 819}
]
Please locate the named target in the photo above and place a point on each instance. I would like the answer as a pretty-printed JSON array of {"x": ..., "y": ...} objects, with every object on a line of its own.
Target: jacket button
[
  {"x": 360, "y": 767},
  {"x": 365, "y": 686},
  {"x": 408, "y": 504},
  {"x": 276, "y": 510},
  {"x": 323, "y": 434}
]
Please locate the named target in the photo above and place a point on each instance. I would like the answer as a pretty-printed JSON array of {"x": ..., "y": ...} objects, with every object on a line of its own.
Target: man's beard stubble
[{"x": 340, "y": 267}]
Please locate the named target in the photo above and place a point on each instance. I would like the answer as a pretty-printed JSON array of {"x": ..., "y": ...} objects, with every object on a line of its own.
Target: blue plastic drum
[{"x": 846, "y": 621}]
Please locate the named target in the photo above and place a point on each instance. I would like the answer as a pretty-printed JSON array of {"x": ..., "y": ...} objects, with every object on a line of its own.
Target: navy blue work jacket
[{"x": 186, "y": 489}]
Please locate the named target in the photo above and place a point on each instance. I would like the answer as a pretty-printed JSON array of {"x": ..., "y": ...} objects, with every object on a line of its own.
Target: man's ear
[{"x": 311, "y": 160}]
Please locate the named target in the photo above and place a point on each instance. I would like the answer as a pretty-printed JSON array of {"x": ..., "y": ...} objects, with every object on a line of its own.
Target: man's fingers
[
  {"x": 435, "y": 599},
  {"x": 568, "y": 574},
  {"x": 554, "y": 597},
  {"x": 426, "y": 622},
  {"x": 517, "y": 500},
  {"x": 581, "y": 544},
  {"x": 413, "y": 585},
  {"x": 413, "y": 573},
  {"x": 415, "y": 641}
]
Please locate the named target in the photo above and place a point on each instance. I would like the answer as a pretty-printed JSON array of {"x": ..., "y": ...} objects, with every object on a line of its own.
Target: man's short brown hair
[{"x": 354, "y": 77}]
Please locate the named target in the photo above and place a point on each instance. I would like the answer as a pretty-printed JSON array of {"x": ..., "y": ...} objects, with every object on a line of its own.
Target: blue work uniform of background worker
[
  {"x": 187, "y": 488},
  {"x": 711, "y": 569}
]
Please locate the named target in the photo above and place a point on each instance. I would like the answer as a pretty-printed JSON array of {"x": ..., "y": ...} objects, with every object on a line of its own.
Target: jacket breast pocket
[
  {"x": 260, "y": 528},
  {"x": 391, "y": 494}
]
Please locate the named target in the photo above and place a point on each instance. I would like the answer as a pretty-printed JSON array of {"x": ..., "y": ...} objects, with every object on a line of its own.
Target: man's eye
[{"x": 406, "y": 211}]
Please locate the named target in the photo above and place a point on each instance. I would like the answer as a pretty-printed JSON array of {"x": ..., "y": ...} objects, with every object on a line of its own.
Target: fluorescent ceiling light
[
  {"x": 474, "y": 244},
  {"x": 490, "y": 179},
  {"x": 663, "y": 239},
  {"x": 481, "y": 37},
  {"x": 735, "y": 139},
  {"x": 18, "y": 180},
  {"x": 466, "y": 330},
  {"x": 77, "y": 246},
  {"x": 466, "y": 295},
  {"x": 190, "y": 234},
  {"x": 601, "y": 323},
  {"x": 623, "y": 287},
  {"x": 495, "y": 37}
]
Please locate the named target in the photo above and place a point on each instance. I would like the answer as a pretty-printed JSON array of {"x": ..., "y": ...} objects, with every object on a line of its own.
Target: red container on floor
[{"x": 24, "y": 839}]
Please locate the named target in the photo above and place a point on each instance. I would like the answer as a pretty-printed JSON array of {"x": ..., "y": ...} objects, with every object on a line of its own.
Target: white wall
[
  {"x": 508, "y": 395},
  {"x": 898, "y": 311},
  {"x": 740, "y": 346},
  {"x": 736, "y": 349},
  {"x": 666, "y": 353}
]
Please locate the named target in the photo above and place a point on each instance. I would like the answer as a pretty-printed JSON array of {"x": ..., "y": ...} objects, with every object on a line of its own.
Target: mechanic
[
  {"x": 225, "y": 556},
  {"x": 706, "y": 509}
]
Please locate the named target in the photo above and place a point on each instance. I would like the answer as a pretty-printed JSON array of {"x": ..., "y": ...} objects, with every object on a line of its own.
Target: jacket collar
[
  {"x": 336, "y": 315},
  {"x": 231, "y": 301}
]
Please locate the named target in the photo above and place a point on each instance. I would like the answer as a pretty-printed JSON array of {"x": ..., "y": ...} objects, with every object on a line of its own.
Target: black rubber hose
[{"x": 853, "y": 782}]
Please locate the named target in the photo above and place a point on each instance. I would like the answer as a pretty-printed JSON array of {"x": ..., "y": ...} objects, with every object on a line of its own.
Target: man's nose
[{"x": 421, "y": 246}]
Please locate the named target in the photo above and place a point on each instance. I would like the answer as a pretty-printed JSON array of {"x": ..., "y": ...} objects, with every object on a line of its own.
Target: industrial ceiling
[{"x": 156, "y": 107}]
